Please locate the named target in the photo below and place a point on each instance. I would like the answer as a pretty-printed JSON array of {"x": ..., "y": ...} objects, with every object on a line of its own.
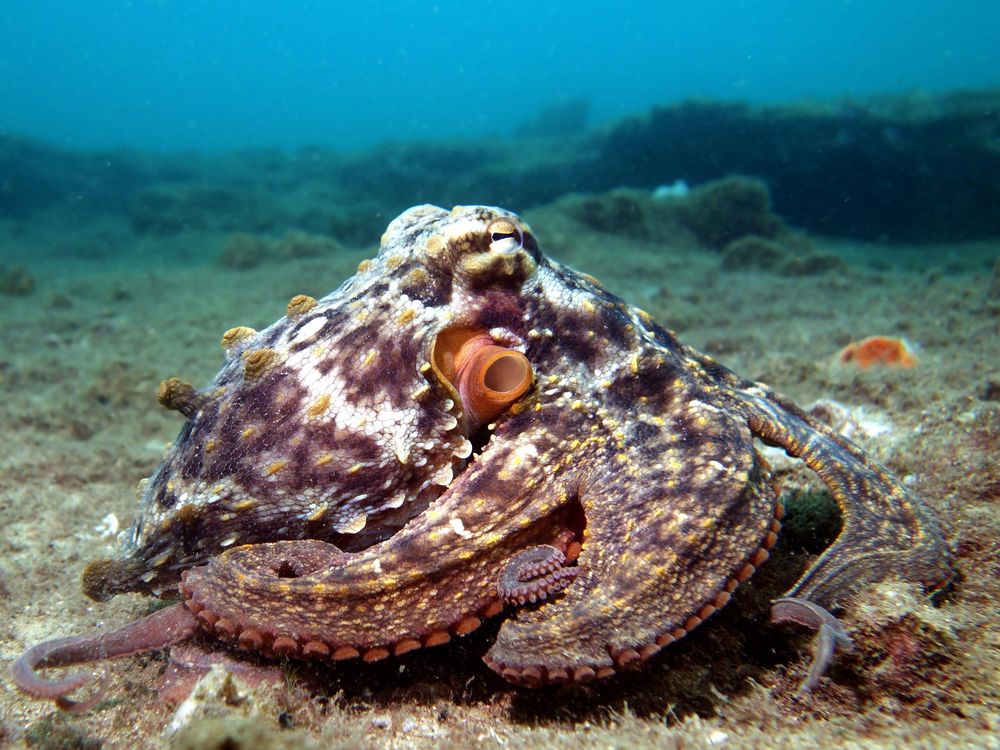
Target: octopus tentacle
[
  {"x": 662, "y": 550},
  {"x": 886, "y": 528},
  {"x": 629, "y": 657},
  {"x": 830, "y": 634},
  {"x": 533, "y": 575},
  {"x": 433, "y": 580},
  {"x": 158, "y": 630}
]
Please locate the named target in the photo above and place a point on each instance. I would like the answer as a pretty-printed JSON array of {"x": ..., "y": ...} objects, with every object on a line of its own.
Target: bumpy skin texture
[{"x": 631, "y": 458}]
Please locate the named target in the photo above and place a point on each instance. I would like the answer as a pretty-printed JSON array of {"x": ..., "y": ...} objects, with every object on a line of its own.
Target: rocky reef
[{"x": 914, "y": 167}]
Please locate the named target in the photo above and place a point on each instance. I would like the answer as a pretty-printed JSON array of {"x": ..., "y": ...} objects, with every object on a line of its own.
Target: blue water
[{"x": 215, "y": 75}]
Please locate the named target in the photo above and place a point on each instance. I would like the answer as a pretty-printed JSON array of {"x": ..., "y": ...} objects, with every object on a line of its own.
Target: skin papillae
[{"x": 606, "y": 512}]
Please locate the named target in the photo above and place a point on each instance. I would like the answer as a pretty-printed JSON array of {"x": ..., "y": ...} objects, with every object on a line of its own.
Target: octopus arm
[
  {"x": 663, "y": 550},
  {"x": 158, "y": 630},
  {"x": 887, "y": 530},
  {"x": 435, "y": 579}
]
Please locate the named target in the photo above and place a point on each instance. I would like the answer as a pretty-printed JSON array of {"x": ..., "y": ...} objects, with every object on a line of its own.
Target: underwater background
[
  {"x": 781, "y": 183},
  {"x": 221, "y": 75}
]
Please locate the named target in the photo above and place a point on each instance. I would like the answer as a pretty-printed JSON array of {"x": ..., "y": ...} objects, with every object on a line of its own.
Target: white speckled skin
[{"x": 344, "y": 435}]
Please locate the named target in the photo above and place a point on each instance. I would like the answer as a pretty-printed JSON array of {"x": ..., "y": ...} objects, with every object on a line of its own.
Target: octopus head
[{"x": 349, "y": 415}]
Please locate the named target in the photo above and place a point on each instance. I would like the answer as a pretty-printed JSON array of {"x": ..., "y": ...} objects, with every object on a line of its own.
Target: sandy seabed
[{"x": 81, "y": 357}]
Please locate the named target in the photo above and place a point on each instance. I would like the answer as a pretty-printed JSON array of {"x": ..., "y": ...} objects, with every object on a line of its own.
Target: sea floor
[{"x": 81, "y": 357}]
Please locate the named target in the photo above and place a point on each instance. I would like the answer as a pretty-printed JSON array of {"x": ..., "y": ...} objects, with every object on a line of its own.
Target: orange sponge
[{"x": 878, "y": 350}]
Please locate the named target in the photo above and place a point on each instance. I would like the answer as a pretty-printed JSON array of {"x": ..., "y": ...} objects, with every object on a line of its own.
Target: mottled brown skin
[{"x": 632, "y": 455}]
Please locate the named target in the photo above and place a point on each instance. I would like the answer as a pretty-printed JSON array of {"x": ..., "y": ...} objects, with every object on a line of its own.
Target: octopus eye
[{"x": 505, "y": 237}]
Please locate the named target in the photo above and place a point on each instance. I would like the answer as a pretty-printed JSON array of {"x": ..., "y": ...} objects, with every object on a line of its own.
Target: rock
[
  {"x": 725, "y": 210},
  {"x": 16, "y": 281},
  {"x": 243, "y": 251},
  {"x": 753, "y": 253}
]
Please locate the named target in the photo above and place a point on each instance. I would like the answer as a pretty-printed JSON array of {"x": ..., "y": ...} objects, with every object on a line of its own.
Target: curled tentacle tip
[
  {"x": 534, "y": 574},
  {"x": 808, "y": 614},
  {"x": 162, "y": 628},
  {"x": 65, "y": 703},
  {"x": 830, "y": 633},
  {"x": 29, "y": 682}
]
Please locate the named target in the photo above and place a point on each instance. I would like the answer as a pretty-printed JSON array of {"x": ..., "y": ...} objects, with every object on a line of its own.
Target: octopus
[{"x": 467, "y": 429}]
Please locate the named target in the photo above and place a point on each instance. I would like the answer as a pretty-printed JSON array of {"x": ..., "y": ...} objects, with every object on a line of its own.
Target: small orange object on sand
[{"x": 878, "y": 350}]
